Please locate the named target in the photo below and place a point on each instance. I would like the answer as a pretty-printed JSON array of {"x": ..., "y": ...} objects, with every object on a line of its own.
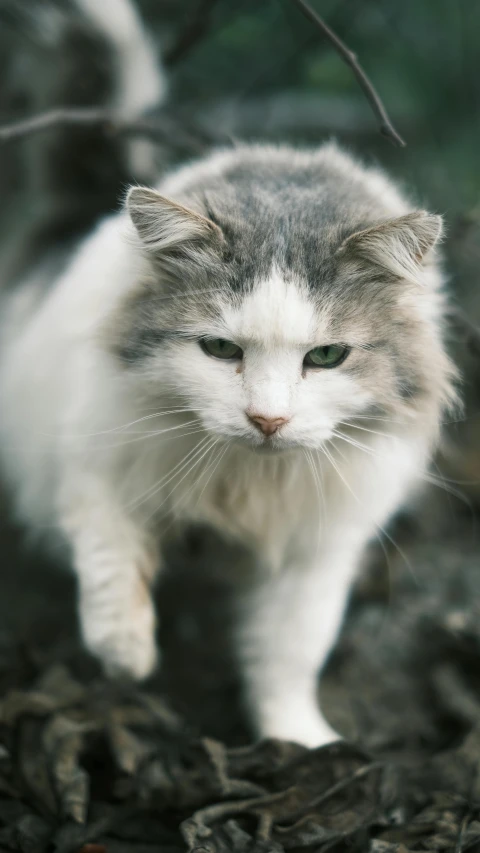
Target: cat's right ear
[
  {"x": 164, "y": 225},
  {"x": 401, "y": 245}
]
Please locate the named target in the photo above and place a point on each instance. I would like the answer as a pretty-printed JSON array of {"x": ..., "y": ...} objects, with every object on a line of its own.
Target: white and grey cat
[{"x": 255, "y": 343}]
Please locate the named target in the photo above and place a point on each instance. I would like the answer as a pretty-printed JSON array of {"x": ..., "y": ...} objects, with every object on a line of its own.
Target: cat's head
[{"x": 282, "y": 304}]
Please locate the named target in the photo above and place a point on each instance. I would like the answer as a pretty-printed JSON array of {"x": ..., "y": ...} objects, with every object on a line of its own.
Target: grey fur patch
[
  {"x": 284, "y": 212},
  {"x": 294, "y": 212}
]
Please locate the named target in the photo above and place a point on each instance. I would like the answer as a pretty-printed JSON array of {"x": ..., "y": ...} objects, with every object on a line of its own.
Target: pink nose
[{"x": 267, "y": 425}]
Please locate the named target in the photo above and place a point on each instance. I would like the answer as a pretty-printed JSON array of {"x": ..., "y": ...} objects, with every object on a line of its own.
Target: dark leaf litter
[{"x": 88, "y": 766}]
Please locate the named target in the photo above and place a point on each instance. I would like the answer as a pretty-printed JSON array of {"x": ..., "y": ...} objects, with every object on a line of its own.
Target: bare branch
[
  {"x": 53, "y": 118},
  {"x": 386, "y": 127},
  {"x": 163, "y": 128},
  {"x": 193, "y": 32},
  {"x": 166, "y": 127}
]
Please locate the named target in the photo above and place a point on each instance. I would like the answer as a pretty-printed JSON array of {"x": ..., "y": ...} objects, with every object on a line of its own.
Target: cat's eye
[
  {"x": 328, "y": 356},
  {"x": 220, "y": 348}
]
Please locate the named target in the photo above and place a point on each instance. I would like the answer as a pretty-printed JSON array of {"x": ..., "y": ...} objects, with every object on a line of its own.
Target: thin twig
[
  {"x": 339, "y": 786},
  {"x": 54, "y": 118},
  {"x": 159, "y": 129},
  {"x": 191, "y": 34},
  {"x": 386, "y": 127}
]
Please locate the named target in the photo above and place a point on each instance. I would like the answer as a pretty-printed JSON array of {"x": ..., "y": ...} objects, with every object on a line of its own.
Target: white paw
[
  {"x": 305, "y": 726},
  {"x": 125, "y": 640},
  {"x": 131, "y": 652}
]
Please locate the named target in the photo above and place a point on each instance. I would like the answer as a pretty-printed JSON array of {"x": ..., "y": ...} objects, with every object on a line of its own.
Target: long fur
[{"x": 116, "y": 424}]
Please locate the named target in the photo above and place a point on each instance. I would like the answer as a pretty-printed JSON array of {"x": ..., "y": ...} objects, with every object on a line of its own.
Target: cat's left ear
[
  {"x": 400, "y": 245},
  {"x": 163, "y": 225}
]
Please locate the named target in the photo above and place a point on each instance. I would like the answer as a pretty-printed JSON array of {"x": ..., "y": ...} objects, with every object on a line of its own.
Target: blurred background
[{"x": 262, "y": 70}]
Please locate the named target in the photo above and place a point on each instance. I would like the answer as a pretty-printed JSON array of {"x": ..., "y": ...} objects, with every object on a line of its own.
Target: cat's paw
[
  {"x": 125, "y": 644},
  {"x": 130, "y": 653},
  {"x": 306, "y": 727}
]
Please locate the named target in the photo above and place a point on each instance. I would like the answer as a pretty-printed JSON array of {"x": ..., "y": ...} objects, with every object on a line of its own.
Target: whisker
[
  {"x": 320, "y": 495},
  {"x": 212, "y": 472},
  {"x": 366, "y": 429},
  {"x": 338, "y": 435},
  {"x": 378, "y": 526},
  {"x": 433, "y": 480},
  {"x": 170, "y": 475},
  {"x": 460, "y": 420},
  {"x": 193, "y": 465},
  {"x": 379, "y": 418},
  {"x": 440, "y": 482},
  {"x": 95, "y": 448},
  {"x": 205, "y": 468},
  {"x": 174, "y": 411},
  {"x": 195, "y": 424},
  {"x": 356, "y": 444},
  {"x": 205, "y": 485}
]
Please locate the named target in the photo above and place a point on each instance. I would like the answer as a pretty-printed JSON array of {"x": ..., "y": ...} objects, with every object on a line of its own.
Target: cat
[{"x": 254, "y": 343}]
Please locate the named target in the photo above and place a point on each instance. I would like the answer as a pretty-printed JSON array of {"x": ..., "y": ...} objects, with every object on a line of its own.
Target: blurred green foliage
[{"x": 422, "y": 55}]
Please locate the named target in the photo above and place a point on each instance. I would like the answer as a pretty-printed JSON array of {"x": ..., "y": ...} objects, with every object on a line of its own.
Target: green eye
[
  {"x": 329, "y": 356},
  {"x": 220, "y": 348}
]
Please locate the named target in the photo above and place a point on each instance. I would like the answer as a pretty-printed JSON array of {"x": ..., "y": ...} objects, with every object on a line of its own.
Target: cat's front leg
[
  {"x": 115, "y": 563},
  {"x": 288, "y": 626}
]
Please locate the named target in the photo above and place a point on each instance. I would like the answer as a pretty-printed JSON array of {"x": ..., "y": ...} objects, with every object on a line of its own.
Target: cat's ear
[
  {"x": 400, "y": 246},
  {"x": 163, "y": 225}
]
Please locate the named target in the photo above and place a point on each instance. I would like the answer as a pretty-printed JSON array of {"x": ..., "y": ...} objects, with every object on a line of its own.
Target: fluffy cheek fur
[
  {"x": 271, "y": 379},
  {"x": 276, "y": 322}
]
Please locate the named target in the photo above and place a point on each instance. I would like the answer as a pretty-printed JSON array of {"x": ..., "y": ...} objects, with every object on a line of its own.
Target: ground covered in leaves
[{"x": 101, "y": 768}]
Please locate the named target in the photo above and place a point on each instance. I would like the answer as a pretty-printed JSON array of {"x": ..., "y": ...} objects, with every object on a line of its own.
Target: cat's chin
[
  {"x": 269, "y": 446},
  {"x": 269, "y": 449}
]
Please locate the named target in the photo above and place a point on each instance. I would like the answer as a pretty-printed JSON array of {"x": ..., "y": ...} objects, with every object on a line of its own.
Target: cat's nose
[{"x": 267, "y": 425}]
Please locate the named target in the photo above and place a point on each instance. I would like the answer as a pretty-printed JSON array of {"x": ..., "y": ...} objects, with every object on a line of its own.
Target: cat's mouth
[
  {"x": 269, "y": 444},
  {"x": 276, "y": 443}
]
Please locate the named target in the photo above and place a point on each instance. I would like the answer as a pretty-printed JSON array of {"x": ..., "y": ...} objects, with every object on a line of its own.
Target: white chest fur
[{"x": 287, "y": 506}]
